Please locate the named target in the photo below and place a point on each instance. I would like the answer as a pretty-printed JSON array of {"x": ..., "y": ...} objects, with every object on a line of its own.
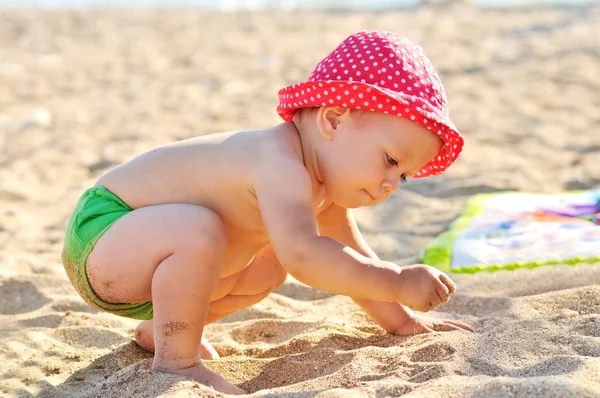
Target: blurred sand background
[{"x": 82, "y": 91}]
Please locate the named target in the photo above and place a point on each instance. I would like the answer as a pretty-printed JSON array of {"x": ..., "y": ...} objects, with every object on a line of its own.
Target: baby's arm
[
  {"x": 285, "y": 200},
  {"x": 284, "y": 195},
  {"x": 338, "y": 223}
]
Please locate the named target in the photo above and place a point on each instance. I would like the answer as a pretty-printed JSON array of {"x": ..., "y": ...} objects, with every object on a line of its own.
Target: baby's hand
[{"x": 423, "y": 287}]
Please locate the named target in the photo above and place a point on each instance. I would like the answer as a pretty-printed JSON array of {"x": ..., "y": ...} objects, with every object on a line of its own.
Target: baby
[{"x": 189, "y": 232}]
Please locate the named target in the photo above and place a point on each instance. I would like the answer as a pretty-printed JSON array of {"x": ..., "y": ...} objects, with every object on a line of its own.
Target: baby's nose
[{"x": 391, "y": 184}]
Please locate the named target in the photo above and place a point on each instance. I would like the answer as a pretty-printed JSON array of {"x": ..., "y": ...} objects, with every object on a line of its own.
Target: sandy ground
[{"x": 83, "y": 91}]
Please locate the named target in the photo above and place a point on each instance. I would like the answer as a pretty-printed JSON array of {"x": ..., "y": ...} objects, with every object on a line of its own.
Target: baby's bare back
[{"x": 213, "y": 171}]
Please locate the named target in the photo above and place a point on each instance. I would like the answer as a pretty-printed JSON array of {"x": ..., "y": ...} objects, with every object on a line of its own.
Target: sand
[{"x": 82, "y": 91}]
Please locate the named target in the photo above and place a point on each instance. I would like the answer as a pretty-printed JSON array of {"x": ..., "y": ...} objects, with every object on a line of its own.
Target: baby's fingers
[
  {"x": 444, "y": 327},
  {"x": 449, "y": 326},
  {"x": 448, "y": 282},
  {"x": 443, "y": 293},
  {"x": 461, "y": 325},
  {"x": 442, "y": 290}
]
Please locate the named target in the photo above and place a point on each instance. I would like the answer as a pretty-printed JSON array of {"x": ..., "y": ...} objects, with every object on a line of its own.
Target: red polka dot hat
[{"x": 382, "y": 72}]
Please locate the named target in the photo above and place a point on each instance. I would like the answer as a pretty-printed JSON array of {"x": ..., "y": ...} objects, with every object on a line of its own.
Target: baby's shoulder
[
  {"x": 278, "y": 147},
  {"x": 280, "y": 172}
]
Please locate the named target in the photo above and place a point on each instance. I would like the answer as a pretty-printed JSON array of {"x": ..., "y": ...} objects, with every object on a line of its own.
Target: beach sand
[{"x": 83, "y": 91}]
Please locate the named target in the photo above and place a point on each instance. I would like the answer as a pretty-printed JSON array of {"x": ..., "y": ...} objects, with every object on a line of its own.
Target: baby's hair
[
  {"x": 304, "y": 113},
  {"x": 357, "y": 115}
]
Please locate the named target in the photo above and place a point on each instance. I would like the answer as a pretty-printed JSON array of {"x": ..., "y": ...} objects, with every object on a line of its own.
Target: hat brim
[{"x": 359, "y": 95}]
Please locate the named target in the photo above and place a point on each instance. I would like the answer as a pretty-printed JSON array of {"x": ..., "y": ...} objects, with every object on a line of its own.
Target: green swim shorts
[{"x": 96, "y": 210}]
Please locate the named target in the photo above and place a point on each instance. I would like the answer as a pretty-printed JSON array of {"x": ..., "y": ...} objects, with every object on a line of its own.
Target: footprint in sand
[
  {"x": 434, "y": 352},
  {"x": 425, "y": 369},
  {"x": 10, "y": 196},
  {"x": 44, "y": 321},
  {"x": 90, "y": 337},
  {"x": 588, "y": 326},
  {"x": 583, "y": 336},
  {"x": 554, "y": 366},
  {"x": 19, "y": 297},
  {"x": 421, "y": 374},
  {"x": 268, "y": 331},
  {"x": 72, "y": 304}
]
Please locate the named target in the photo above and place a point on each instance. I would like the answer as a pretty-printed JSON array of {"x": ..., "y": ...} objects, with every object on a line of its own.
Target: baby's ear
[{"x": 329, "y": 119}]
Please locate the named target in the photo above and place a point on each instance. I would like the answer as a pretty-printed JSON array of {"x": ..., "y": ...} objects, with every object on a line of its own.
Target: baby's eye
[
  {"x": 391, "y": 160},
  {"x": 403, "y": 179}
]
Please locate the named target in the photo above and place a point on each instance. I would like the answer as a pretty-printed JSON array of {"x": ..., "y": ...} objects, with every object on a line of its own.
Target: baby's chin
[{"x": 354, "y": 202}]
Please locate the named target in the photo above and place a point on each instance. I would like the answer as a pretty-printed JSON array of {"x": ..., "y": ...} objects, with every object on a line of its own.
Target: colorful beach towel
[{"x": 512, "y": 229}]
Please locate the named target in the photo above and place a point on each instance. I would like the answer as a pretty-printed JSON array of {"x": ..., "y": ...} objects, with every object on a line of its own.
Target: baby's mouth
[
  {"x": 377, "y": 199},
  {"x": 371, "y": 196}
]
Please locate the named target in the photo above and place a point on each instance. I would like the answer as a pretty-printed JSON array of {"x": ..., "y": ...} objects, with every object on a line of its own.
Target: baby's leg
[
  {"x": 254, "y": 283},
  {"x": 170, "y": 254},
  {"x": 251, "y": 285},
  {"x": 144, "y": 337}
]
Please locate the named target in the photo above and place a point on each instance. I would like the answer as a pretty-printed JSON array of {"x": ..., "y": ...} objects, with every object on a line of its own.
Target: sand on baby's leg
[
  {"x": 144, "y": 337},
  {"x": 263, "y": 275},
  {"x": 171, "y": 255}
]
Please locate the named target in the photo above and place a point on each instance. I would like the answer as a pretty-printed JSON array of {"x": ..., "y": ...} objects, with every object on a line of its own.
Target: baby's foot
[
  {"x": 204, "y": 375},
  {"x": 144, "y": 337}
]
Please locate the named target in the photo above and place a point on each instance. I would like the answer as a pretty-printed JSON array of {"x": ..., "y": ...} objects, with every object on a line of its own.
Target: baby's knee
[
  {"x": 261, "y": 277},
  {"x": 279, "y": 274},
  {"x": 273, "y": 276},
  {"x": 271, "y": 273}
]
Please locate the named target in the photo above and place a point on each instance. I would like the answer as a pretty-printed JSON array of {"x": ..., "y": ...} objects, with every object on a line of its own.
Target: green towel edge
[{"x": 439, "y": 253}]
